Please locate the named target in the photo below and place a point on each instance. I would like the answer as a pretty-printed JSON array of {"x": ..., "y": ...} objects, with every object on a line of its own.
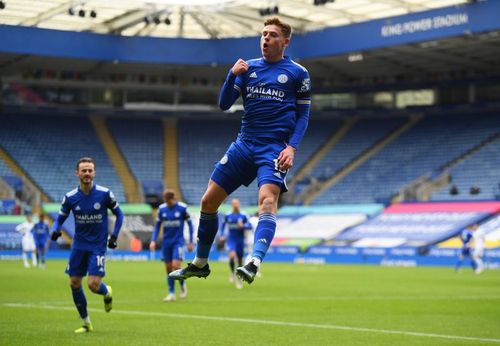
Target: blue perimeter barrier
[{"x": 392, "y": 257}]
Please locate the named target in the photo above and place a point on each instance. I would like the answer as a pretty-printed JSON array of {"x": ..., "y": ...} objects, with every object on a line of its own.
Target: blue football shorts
[
  {"x": 40, "y": 245},
  {"x": 236, "y": 245},
  {"x": 247, "y": 159},
  {"x": 82, "y": 262},
  {"x": 172, "y": 252}
]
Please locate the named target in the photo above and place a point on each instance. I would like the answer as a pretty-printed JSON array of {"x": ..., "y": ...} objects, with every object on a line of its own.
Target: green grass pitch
[{"x": 290, "y": 305}]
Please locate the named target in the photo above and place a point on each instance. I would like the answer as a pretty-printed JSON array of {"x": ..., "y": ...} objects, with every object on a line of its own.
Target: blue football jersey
[
  {"x": 466, "y": 237},
  {"x": 40, "y": 232},
  {"x": 236, "y": 224},
  {"x": 91, "y": 216},
  {"x": 271, "y": 92},
  {"x": 173, "y": 222}
]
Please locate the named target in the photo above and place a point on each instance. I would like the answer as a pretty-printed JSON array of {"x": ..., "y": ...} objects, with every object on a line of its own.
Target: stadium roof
[{"x": 201, "y": 18}]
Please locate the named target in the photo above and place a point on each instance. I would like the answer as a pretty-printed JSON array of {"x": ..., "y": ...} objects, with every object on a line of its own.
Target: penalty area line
[{"x": 258, "y": 321}]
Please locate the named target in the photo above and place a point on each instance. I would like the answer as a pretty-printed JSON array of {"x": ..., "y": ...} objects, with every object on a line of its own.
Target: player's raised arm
[{"x": 231, "y": 90}]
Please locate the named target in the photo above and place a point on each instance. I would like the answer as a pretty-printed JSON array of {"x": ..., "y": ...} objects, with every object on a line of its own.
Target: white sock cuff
[
  {"x": 200, "y": 262},
  {"x": 256, "y": 261}
]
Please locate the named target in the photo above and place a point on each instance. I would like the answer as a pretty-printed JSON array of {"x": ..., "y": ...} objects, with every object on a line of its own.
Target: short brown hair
[
  {"x": 286, "y": 29},
  {"x": 168, "y": 193},
  {"x": 85, "y": 159}
]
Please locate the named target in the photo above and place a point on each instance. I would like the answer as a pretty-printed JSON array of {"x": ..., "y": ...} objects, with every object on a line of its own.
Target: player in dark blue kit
[
  {"x": 89, "y": 204},
  {"x": 466, "y": 237},
  {"x": 276, "y": 98},
  {"x": 237, "y": 223},
  {"x": 41, "y": 235},
  {"x": 172, "y": 215}
]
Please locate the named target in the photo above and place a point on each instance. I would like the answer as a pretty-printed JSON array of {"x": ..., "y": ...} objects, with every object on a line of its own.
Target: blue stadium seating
[
  {"x": 317, "y": 133},
  {"x": 201, "y": 144},
  {"x": 10, "y": 177},
  {"x": 428, "y": 145},
  {"x": 196, "y": 161},
  {"x": 481, "y": 169},
  {"x": 4, "y": 169},
  {"x": 141, "y": 142},
  {"x": 364, "y": 134},
  {"x": 48, "y": 147}
]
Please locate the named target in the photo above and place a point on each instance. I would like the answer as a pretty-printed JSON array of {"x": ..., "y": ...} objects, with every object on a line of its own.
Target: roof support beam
[{"x": 44, "y": 16}]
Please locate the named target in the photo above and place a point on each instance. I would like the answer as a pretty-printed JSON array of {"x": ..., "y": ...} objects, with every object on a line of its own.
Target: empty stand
[
  {"x": 5, "y": 170},
  {"x": 481, "y": 169},
  {"x": 48, "y": 148},
  {"x": 428, "y": 145},
  {"x": 141, "y": 143},
  {"x": 201, "y": 144},
  {"x": 364, "y": 134}
]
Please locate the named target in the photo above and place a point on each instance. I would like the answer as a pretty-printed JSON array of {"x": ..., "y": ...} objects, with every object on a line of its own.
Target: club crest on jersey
[
  {"x": 282, "y": 78},
  {"x": 177, "y": 214},
  {"x": 97, "y": 206},
  {"x": 224, "y": 160}
]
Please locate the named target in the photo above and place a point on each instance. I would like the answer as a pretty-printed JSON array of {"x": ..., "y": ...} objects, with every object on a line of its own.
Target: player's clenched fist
[{"x": 240, "y": 67}]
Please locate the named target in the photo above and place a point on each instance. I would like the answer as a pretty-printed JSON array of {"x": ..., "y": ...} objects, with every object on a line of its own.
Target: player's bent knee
[
  {"x": 208, "y": 204},
  {"x": 212, "y": 198},
  {"x": 176, "y": 264},
  {"x": 75, "y": 283},
  {"x": 267, "y": 204},
  {"x": 94, "y": 285}
]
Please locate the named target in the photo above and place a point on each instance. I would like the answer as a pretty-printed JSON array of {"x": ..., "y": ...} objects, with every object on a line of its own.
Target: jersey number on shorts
[{"x": 100, "y": 261}]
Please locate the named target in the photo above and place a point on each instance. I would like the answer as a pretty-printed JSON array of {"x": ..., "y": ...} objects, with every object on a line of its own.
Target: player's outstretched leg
[
  {"x": 207, "y": 229},
  {"x": 238, "y": 282},
  {"x": 231, "y": 269},
  {"x": 81, "y": 305},
  {"x": 25, "y": 260},
  {"x": 171, "y": 290},
  {"x": 33, "y": 259},
  {"x": 184, "y": 290},
  {"x": 264, "y": 235},
  {"x": 479, "y": 265},
  {"x": 108, "y": 298},
  {"x": 99, "y": 287}
]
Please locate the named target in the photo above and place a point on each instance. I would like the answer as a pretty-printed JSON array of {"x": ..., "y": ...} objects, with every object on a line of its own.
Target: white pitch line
[
  {"x": 344, "y": 298},
  {"x": 331, "y": 299},
  {"x": 266, "y": 322}
]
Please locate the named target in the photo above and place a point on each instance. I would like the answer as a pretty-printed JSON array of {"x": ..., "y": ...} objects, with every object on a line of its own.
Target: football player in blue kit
[
  {"x": 237, "y": 223},
  {"x": 172, "y": 215},
  {"x": 466, "y": 237},
  {"x": 276, "y": 99},
  {"x": 41, "y": 234},
  {"x": 89, "y": 204}
]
